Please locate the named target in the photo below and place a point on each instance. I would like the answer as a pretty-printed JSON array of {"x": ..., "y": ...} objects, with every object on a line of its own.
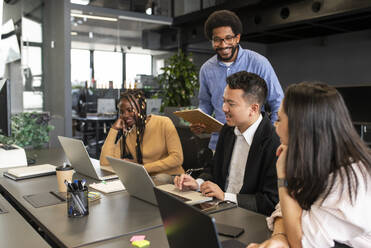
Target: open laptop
[
  {"x": 185, "y": 226},
  {"x": 139, "y": 184},
  {"x": 80, "y": 160}
]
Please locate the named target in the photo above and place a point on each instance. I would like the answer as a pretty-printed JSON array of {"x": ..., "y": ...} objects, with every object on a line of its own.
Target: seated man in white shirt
[{"x": 243, "y": 168}]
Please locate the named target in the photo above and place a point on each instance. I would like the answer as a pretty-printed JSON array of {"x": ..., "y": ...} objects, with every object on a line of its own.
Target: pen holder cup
[{"x": 77, "y": 203}]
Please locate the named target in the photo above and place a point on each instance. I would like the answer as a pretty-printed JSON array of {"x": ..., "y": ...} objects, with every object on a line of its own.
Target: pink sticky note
[{"x": 137, "y": 237}]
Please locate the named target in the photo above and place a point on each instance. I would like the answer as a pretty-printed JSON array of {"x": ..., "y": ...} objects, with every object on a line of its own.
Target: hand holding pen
[{"x": 185, "y": 182}]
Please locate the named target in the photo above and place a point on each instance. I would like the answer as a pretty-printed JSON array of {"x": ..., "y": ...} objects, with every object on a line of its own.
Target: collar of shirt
[
  {"x": 250, "y": 132},
  {"x": 239, "y": 54}
]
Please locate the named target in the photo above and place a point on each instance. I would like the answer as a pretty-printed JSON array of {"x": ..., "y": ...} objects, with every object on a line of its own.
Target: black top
[{"x": 259, "y": 190}]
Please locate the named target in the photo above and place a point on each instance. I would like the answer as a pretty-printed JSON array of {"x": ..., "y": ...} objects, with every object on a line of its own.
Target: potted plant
[
  {"x": 178, "y": 84},
  {"x": 179, "y": 81},
  {"x": 29, "y": 130}
]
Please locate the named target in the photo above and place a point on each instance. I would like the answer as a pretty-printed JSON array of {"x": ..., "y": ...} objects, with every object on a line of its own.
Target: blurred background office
[{"x": 74, "y": 52}]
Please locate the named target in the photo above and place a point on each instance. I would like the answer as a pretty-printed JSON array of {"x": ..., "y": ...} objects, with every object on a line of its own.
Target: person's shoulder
[
  {"x": 211, "y": 62},
  {"x": 267, "y": 131},
  {"x": 160, "y": 119},
  {"x": 255, "y": 56},
  {"x": 226, "y": 130}
]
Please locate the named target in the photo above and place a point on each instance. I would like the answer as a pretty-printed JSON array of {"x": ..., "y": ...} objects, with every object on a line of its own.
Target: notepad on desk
[
  {"x": 197, "y": 116},
  {"x": 108, "y": 186},
  {"x": 30, "y": 171}
]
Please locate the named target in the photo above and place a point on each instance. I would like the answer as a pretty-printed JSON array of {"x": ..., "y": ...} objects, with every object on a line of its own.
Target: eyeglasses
[{"x": 228, "y": 40}]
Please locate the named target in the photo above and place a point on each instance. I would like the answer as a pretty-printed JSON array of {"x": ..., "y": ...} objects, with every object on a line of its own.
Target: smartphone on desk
[
  {"x": 229, "y": 231},
  {"x": 207, "y": 206}
]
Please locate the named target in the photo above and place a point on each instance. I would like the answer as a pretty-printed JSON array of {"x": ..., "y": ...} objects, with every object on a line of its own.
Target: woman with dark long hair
[
  {"x": 149, "y": 140},
  {"x": 324, "y": 173}
]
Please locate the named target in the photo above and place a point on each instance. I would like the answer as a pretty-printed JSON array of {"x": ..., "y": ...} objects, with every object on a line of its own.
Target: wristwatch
[{"x": 281, "y": 182}]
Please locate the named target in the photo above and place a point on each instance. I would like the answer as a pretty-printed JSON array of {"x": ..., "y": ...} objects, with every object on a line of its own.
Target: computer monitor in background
[
  {"x": 153, "y": 106},
  {"x": 5, "y": 128},
  {"x": 106, "y": 106}
]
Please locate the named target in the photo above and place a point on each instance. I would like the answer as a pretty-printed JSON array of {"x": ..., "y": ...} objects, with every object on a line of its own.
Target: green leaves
[
  {"x": 178, "y": 81},
  {"x": 29, "y": 130}
]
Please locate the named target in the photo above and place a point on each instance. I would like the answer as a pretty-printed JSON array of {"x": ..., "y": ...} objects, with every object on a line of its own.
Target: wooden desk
[
  {"x": 113, "y": 219},
  {"x": 254, "y": 224},
  {"x": 113, "y": 216},
  {"x": 15, "y": 231}
]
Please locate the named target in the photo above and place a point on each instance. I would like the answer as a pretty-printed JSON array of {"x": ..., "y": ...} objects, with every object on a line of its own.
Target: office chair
[{"x": 193, "y": 145}]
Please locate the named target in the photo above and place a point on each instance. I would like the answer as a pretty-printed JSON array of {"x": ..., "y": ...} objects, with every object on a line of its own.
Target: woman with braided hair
[{"x": 149, "y": 140}]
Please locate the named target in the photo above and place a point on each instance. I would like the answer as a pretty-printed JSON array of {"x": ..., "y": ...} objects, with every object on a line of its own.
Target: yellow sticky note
[{"x": 141, "y": 243}]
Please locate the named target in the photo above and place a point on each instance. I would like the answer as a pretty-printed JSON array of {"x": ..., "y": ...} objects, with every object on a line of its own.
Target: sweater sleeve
[
  {"x": 174, "y": 156},
  {"x": 109, "y": 147}
]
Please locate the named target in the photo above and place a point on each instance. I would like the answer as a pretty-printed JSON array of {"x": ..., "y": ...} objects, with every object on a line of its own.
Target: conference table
[
  {"x": 112, "y": 220},
  {"x": 15, "y": 231}
]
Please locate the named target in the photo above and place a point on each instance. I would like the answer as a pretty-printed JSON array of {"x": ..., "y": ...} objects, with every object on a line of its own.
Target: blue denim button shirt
[{"x": 213, "y": 76}]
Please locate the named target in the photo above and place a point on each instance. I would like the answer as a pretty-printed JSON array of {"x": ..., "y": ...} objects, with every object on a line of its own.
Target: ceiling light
[
  {"x": 155, "y": 20},
  {"x": 91, "y": 35},
  {"x": 103, "y": 18},
  {"x": 81, "y": 2},
  {"x": 73, "y": 33},
  {"x": 149, "y": 11},
  {"x": 150, "y": 7}
]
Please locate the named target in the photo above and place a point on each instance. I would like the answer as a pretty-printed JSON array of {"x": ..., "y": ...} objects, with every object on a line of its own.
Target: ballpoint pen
[
  {"x": 83, "y": 182},
  {"x": 189, "y": 171},
  {"x": 75, "y": 198}
]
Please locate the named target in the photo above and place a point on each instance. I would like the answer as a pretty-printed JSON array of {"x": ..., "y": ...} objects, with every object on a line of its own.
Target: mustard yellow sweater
[{"x": 161, "y": 148}]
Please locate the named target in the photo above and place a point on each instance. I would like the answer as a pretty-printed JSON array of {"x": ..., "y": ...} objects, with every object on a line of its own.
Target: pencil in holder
[{"x": 77, "y": 202}]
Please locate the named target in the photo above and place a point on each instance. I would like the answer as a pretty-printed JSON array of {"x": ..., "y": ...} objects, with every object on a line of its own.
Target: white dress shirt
[
  {"x": 336, "y": 219},
  {"x": 239, "y": 157}
]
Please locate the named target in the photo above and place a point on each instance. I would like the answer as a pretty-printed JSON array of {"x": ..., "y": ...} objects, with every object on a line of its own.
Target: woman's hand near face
[
  {"x": 119, "y": 124},
  {"x": 281, "y": 161}
]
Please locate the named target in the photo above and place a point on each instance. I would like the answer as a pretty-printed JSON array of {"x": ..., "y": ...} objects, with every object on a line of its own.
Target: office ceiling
[
  {"x": 265, "y": 21},
  {"x": 121, "y": 34},
  {"x": 113, "y": 35},
  {"x": 268, "y": 22}
]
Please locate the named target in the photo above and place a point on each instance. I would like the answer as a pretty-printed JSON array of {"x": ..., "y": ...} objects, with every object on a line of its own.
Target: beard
[{"x": 234, "y": 49}]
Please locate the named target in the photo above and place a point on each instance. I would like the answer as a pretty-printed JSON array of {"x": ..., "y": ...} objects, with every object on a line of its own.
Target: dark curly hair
[{"x": 222, "y": 18}]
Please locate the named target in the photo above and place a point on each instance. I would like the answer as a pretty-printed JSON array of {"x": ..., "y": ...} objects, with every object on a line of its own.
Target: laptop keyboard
[{"x": 183, "y": 199}]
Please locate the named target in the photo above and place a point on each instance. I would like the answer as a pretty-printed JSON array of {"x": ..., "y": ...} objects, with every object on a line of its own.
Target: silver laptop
[
  {"x": 139, "y": 184},
  {"x": 80, "y": 160}
]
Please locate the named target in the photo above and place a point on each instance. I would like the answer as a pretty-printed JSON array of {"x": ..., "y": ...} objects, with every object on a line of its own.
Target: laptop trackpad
[{"x": 233, "y": 243}]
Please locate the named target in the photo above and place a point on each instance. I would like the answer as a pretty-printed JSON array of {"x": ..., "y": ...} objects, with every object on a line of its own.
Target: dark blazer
[{"x": 259, "y": 190}]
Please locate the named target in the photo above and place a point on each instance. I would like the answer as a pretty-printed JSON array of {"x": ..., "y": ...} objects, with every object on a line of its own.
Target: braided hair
[{"x": 138, "y": 103}]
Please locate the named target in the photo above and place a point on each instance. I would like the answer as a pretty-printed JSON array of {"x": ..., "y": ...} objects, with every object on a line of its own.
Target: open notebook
[
  {"x": 30, "y": 171},
  {"x": 108, "y": 186}
]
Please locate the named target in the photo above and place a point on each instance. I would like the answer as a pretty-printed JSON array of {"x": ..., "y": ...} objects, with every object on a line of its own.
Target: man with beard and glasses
[
  {"x": 223, "y": 28},
  {"x": 243, "y": 169}
]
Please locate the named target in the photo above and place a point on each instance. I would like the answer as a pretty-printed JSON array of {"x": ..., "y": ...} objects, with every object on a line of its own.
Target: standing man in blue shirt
[{"x": 224, "y": 29}]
